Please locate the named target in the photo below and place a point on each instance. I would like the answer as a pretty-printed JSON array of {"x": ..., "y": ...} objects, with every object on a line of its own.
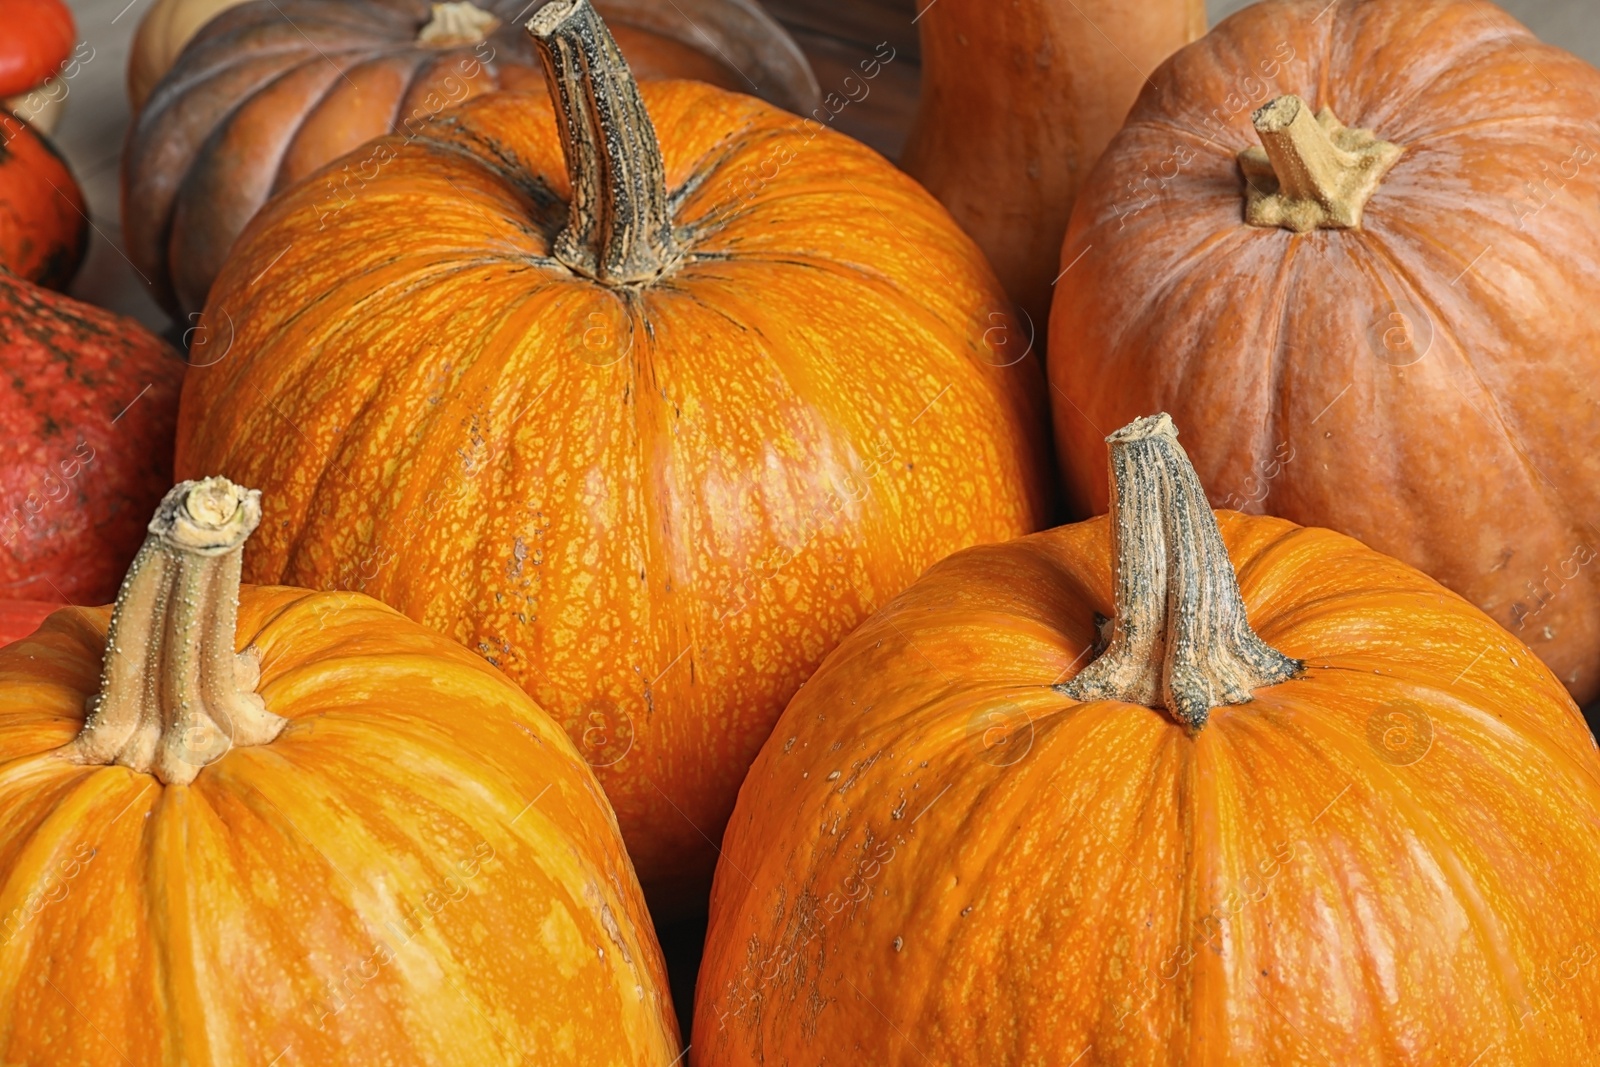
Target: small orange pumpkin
[
  {"x": 991, "y": 832},
  {"x": 267, "y": 825},
  {"x": 650, "y": 435}
]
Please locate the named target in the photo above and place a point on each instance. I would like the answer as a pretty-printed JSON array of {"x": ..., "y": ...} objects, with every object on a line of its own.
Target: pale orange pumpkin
[
  {"x": 653, "y": 445},
  {"x": 274, "y": 826},
  {"x": 1352, "y": 248},
  {"x": 991, "y": 832}
]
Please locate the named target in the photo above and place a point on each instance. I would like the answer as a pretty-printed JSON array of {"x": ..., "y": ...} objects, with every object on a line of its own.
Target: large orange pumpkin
[
  {"x": 44, "y": 224},
  {"x": 1369, "y": 835},
  {"x": 1017, "y": 104},
  {"x": 1369, "y": 303},
  {"x": 269, "y": 91},
  {"x": 298, "y": 828},
  {"x": 651, "y": 446}
]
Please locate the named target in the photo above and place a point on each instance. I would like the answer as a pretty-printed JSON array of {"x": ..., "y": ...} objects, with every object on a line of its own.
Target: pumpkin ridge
[
  {"x": 1502, "y": 421},
  {"x": 1319, "y": 737},
  {"x": 1492, "y": 937}
]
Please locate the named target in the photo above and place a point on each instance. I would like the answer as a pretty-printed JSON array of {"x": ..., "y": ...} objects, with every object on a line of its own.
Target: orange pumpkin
[
  {"x": 1017, "y": 104},
  {"x": 267, "y": 92},
  {"x": 44, "y": 224},
  {"x": 651, "y": 448},
  {"x": 1369, "y": 302},
  {"x": 297, "y": 827},
  {"x": 1369, "y": 835}
]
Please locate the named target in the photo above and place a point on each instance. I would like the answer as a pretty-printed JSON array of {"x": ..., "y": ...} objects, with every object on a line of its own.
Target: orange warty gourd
[
  {"x": 1351, "y": 249},
  {"x": 651, "y": 446},
  {"x": 296, "y": 826},
  {"x": 44, "y": 224},
  {"x": 1018, "y": 101},
  {"x": 267, "y": 92},
  {"x": 989, "y": 831}
]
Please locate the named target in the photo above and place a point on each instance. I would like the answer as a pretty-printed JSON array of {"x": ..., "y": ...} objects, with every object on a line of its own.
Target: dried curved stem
[
  {"x": 619, "y": 223},
  {"x": 1311, "y": 173},
  {"x": 1180, "y": 639},
  {"x": 173, "y": 694}
]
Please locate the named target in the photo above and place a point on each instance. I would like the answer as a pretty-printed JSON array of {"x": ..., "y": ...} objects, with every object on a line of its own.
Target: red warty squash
[
  {"x": 1018, "y": 101},
  {"x": 86, "y": 425},
  {"x": 651, "y": 436},
  {"x": 1352, "y": 247},
  {"x": 990, "y": 832},
  {"x": 44, "y": 224},
  {"x": 34, "y": 48},
  {"x": 269, "y": 91},
  {"x": 253, "y": 826}
]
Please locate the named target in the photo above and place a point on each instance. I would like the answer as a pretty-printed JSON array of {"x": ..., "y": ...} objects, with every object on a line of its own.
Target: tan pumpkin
[
  {"x": 1369, "y": 303},
  {"x": 269, "y": 91}
]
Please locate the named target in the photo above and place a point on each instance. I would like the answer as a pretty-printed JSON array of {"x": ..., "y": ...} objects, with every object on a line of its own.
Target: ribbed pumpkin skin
[
  {"x": 44, "y": 224},
  {"x": 268, "y": 92},
  {"x": 1264, "y": 344},
  {"x": 86, "y": 425},
  {"x": 420, "y": 869},
  {"x": 1048, "y": 883},
  {"x": 666, "y": 540}
]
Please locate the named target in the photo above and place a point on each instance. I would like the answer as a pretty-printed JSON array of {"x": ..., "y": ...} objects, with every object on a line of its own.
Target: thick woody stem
[
  {"x": 619, "y": 223},
  {"x": 1311, "y": 173},
  {"x": 1180, "y": 639},
  {"x": 457, "y": 23},
  {"x": 173, "y": 695}
]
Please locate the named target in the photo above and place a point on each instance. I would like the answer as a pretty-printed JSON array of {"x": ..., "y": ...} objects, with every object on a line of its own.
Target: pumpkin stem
[
  {"x": 456, "y": 23},
  {"x": 1311, "y": 173},
  {"x": 619, "y": 224},
  {"x": 1180, "y": 639},
  {"x": 173, "y": 694}
]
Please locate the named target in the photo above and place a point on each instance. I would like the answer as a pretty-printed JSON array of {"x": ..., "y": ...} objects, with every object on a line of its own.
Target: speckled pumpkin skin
[
  {"x": 940, "y": 859},
  {"x": 87, "y": 411},
  {"x": 657, "y": 507},
  {"x": 419, "y": 870}
]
